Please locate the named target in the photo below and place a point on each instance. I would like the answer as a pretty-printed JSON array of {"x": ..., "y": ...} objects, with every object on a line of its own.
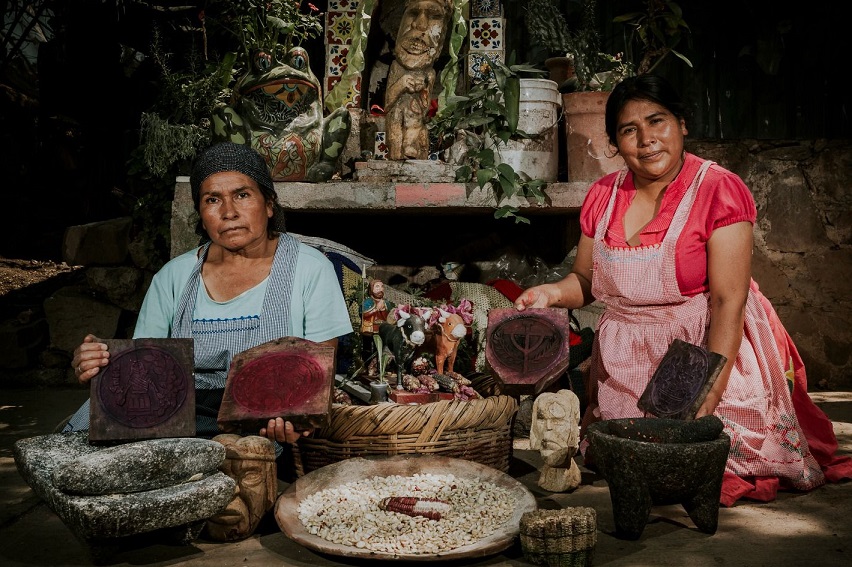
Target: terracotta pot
[
  {"x": 560, "y": 69},
  {"x": 590, "y": 155}
]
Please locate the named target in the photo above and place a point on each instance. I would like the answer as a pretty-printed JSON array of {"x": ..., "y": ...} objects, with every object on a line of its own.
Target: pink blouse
[{"x": 722, "y": 199}]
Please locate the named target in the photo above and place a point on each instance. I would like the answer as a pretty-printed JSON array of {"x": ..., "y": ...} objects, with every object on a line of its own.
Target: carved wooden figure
[
  {"x": 555, "y": 433},
  {"x": 411, "y": 78},
  {"x": 250, "y": 461}
]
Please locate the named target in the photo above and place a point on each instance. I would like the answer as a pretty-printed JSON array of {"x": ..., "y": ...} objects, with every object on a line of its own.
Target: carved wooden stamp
[
  {"x": 681, "y": 381},
  {"x": 527, "y": 350},
  {"x": 288, "y": 377},
  {"x": 147, "y": 391}
]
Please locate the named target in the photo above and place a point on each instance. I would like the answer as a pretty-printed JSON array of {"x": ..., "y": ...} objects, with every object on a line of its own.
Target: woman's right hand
[
  {"x": 89, "y": 358},
  {"x": 537, "y": 297}
]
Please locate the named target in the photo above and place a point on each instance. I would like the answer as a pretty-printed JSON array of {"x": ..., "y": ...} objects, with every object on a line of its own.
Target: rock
[
  {"x": 99, "y": 243},
  {"x": 139, "y": 466}
]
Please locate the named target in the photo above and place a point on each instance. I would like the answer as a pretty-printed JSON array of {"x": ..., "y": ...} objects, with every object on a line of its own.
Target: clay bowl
[
  {"x": 650, "y": 461},
  {"x": 349, "y": 470}
]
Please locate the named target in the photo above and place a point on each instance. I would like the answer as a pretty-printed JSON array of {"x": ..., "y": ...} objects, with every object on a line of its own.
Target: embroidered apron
[
  {"x": 217, "y": 341},
  {"x": 645, "y": 312}
]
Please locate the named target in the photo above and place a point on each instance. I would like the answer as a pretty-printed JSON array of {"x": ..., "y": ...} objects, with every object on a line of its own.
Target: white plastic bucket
[{"x": 538, "y": 115}]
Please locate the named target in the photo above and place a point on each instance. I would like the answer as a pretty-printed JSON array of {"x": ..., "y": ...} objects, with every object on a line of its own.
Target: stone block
[
  {"x": 72, "y": 313},
  {"x": 139, "y": 466},
  {"x": 97, "y": 244},
  {"x": 121, "y": 285},
  {"x": 21, "y": 343}
]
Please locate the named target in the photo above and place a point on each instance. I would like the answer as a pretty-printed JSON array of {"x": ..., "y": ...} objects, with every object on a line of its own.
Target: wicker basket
[
  {"x": 476, "y": 430},
  {"x": 559, "y": 538}
]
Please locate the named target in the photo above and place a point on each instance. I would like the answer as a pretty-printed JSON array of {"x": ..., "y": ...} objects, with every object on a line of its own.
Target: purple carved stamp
[
  {"x": 528, "y": 350},
  {"x": 145, "y": 392}
]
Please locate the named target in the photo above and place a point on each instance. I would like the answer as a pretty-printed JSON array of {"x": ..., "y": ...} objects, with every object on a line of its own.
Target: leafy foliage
[
  {"x": 654, "y": 33},
  {"x": 487, "y": 118}
]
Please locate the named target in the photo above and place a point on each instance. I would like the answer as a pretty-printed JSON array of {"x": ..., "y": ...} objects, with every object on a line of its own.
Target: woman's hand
[
  {"x": 537, "y": 297},
  {"x": 282, "y": 431},
  {"x": 89, "y": 358}
]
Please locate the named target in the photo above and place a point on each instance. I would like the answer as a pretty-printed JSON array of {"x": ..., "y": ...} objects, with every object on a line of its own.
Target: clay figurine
[
  {"x": 277, "y": 109},
  {"x": 555, "y": 433}
]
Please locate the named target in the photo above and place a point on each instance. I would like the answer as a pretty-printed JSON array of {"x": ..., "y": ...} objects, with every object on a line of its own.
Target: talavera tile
[
  {"x": 483, "y": 9},
  {"x": 486, "y": 34}
]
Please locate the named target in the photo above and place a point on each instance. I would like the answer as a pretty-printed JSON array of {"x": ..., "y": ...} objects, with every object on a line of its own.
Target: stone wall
[
  {"x": 803, "y": 242},
  {"x": 802, "y": 262}
]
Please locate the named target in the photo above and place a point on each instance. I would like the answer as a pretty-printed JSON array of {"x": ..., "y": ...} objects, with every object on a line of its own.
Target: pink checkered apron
[{"x": 645, "y": 312}]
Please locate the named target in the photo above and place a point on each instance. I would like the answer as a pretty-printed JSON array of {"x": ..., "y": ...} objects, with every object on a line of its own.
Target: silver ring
[{"x": 79, "y": 369}]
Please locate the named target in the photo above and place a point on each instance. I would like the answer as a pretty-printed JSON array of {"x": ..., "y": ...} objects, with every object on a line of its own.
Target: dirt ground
[{"x": 19, "y": 274}]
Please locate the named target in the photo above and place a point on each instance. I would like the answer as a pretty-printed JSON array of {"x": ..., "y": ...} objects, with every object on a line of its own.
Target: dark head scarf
[{"x": 228, "y": 156}]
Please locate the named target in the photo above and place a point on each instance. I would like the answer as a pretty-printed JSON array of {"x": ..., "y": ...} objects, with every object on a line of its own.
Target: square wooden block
[
  {"x": 527, "y": 350},
  {"x": 288, "y": 377},
  {"x": 147, "y": 391}
]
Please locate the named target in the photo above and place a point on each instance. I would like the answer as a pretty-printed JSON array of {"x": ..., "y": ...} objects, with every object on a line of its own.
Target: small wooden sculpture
[
  {"x": 555, "y": 433},
  {"x": 411, "y": 78},
  {"x": 448, "y": 331},
  {"x": 250, "y": 461}
]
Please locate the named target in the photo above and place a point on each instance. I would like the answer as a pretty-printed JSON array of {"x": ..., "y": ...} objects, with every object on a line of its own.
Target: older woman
[
  {"x": 248, "y": 283},
  {"x": 666, "y": 245}
]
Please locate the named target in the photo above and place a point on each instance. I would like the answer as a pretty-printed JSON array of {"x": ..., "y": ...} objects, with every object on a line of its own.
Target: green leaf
[
  {"x": 484, "y": 175},
  {"x": 512, "y": 98}
]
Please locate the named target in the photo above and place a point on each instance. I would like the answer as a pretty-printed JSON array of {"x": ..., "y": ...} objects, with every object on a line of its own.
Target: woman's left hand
[
  {"x": 282, "y": 431},
  {"x": 709, "y": 405}
]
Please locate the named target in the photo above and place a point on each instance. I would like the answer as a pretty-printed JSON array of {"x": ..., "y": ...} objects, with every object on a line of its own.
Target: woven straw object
[
  {"x": 477, "y": 430},
  {"x": 559, "y": 538}
]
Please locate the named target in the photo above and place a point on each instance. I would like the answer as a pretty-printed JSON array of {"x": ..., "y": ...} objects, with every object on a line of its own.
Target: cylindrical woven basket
[{"x": 477, "y": 430}]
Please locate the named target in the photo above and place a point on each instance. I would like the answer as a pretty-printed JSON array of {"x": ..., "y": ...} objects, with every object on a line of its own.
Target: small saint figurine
[
  {"x": 250, "y": 461},
  {"x": 375, "y": 309},
  {"x": 411, "y": 78},
  {"x": 555, "y": 434}
]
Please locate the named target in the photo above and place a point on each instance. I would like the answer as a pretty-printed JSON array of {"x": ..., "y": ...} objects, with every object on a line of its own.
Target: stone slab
[
  {"x": 527, "y": 350},
  {"x": 146, "y": 392},
  {"x": 288, "y": 377}
]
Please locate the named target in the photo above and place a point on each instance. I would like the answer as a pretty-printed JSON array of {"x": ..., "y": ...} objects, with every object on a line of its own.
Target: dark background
[{"x": 69, "y": 116}]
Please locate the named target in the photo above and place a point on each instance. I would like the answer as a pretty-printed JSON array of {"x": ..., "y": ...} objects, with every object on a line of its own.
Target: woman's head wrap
[{"x": 228, "y": 156}]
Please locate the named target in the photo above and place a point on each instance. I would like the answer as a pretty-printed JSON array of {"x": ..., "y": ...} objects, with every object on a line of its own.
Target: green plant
[
  {"x": 484, "y": 120},
  {"x": 594, "y": 70},
  {"x": 654, "y": 33},
  {"x": 381, "y": 358}
]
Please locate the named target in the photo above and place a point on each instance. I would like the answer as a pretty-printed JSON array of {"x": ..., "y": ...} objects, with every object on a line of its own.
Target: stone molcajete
[
  {"x": 161, "y": 488},
  {"x": 277, "y": 109},
  {"x": 651, "y": 461}
]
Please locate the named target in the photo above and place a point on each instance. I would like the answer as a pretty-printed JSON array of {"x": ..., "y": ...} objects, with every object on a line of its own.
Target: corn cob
[
  {"x": 446, "y": 383},
  {"x": 410, "y": 383},
  {"x": 429, "y": 382},
  {"x": 430, "y": 508}
]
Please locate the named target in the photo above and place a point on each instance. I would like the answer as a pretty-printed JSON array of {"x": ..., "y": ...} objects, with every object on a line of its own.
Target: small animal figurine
[
  {"x": 449, "y": 330},
  {"x": 403, "y": 337}
]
